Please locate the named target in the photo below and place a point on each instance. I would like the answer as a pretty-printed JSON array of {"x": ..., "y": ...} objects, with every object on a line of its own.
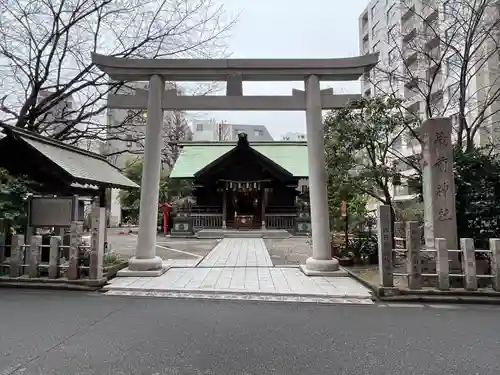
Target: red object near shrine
[{"x": 165, "y": 208}]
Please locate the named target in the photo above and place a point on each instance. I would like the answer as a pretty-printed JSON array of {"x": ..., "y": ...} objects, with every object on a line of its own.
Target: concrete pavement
[
  {"x": 239, "y": 266},
  {"x": 82, "y": 334}
]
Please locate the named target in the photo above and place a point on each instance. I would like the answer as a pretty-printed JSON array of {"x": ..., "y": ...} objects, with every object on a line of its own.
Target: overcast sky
[{"x": 294, "y": 29}]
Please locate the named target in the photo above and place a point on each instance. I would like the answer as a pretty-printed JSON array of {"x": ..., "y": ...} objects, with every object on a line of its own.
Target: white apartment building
[
  {"x": 290, "y": 136},
  {"x": 126, "y": 133},
  {"x": 212, "y": 130},
  {"x": 52, "y": 122},
  {"x": 409, "y": 36}
]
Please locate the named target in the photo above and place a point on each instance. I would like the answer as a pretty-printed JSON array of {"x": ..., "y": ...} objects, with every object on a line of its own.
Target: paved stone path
[
  {"x": 237, "y": 252},
  {"x": 248, "y": 280},
  {"x": 238, "y": 268}
]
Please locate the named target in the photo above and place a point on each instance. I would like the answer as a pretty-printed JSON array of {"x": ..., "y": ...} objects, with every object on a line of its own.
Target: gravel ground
[
  {"x": 125, "y": 245},
  {"x": 289, "y": 251}
]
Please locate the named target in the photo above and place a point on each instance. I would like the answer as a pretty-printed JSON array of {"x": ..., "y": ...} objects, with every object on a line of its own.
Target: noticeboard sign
[{"x": 52, "y": 211}]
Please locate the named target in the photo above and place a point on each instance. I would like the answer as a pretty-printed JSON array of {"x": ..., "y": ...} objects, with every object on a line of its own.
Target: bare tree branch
[
  {"x": 445, "y": 57},
  {"x": 49, "y": 84}
]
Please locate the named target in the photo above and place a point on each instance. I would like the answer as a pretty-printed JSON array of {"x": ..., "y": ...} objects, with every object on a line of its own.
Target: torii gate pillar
[
  {"x": 321, "y": 261},
  {"x": 145, "y": 260}
]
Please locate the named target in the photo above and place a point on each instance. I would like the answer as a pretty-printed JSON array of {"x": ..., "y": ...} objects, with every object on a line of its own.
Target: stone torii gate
[{"x": 234, "y": 72}]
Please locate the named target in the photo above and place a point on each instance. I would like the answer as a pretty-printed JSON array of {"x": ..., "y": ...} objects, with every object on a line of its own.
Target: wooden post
[
  {"x": 385, "y": 236},
  {"x": 263, "y": 208},
  {"x": 442, "y": 264},
  {"x": 97, "y": 244},
  {"x": 34, "y": 255},
  {"x": 224, "y": 209},
  {"x": 414, "y": 267},
  {"x": 74, "y": 250},
  {"x": 469, "y": 263},
  {"x": 16, "y": 255},
  {"x": 54, "y": 257},
  {"x": 495, "y": 263}
]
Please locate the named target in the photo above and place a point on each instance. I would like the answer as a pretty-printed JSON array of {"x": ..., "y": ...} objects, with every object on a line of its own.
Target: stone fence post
[
  {"x": 385, "y": 236},
  {"x": 414, "y": 267},
  {"x": 469, "y": 263},
  {"x": 495, "y": 262},
  {"x": 16, "y": 255},
  {"x": 442, "y": 264},
  {"x": 76, "y": 231},
  {"x": 54, "y": 258},
  {"x": 34, "y": 255}
]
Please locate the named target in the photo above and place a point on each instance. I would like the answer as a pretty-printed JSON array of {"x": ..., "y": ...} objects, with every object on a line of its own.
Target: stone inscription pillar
[
  {"x": 145, "y": 256},
  {"x": 321, "y": 260},
  {"x": 385, "y": 237},
  {"x": 439, "y": 183}
]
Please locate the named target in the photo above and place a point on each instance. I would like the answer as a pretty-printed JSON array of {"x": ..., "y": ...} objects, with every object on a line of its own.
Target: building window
[
  {"x": 393, "y": 55},
  {"x": 449, "y": 33},
  {"x": 129, "y": 141},
  {"x": 453, "y": 65},
  {"x": 374, "y": 10},
  {"x": 455, "y": 121},
  {"x": 388, "y": 15},
  {"x": 448, "y": 8},
  {"x": 453, "y": 92},
  {"x": 374, "y": 31},
  {"x": 199, "y": 127},
  {"x": 390, "y": 34},
  {"x": 375, "y": 47},
  {"x": 258, "y": 133}
]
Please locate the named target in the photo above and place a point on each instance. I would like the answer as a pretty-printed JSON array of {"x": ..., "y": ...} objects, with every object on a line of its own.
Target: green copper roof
[{"x": 291, "y": 156}]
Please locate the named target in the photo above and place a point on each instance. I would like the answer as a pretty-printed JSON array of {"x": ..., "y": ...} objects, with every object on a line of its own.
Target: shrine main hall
[{"x": 245, "y": 185}]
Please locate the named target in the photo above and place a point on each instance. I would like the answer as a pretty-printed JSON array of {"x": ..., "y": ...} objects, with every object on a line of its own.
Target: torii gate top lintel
[{"x": 337, "y": 69}]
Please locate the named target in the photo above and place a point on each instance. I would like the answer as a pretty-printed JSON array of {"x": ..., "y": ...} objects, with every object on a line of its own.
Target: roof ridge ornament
[{"x": 243, "y": 140}]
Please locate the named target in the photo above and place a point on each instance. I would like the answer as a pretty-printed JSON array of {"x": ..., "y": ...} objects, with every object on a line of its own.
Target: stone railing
[
  {"x": 75, "y": 261},
  {"x": 281, "y": 221},
  {"x": 433, "y": 268}
]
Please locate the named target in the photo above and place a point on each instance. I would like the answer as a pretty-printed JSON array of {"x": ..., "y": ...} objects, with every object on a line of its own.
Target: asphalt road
[{"x": 70, "y": 333}]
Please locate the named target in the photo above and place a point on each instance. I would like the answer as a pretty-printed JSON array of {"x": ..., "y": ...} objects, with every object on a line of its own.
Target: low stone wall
[{"x": 50, "y": 261}]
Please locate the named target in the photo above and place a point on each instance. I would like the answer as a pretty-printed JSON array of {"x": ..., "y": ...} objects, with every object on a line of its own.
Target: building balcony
[
  {"x": 407, "y": 10},
  {"x": 409, "y": 31},
  {"x": 410, "y": 57},
  {"x": 430, "y": 10},
  {"x": 365, "y": 48},
  {"x": 364, "y": 29}
]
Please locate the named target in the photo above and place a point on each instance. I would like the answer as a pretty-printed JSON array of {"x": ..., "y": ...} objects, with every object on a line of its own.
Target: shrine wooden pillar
[
  {"x": 263, "y": 207},
  {"x": 224, "y": 209}
]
